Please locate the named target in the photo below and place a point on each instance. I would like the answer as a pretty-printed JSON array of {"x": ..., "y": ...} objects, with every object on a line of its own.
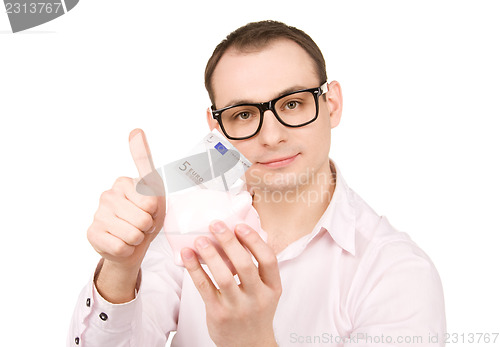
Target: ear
[
  {"x": 212, "y": 123},
  {"x": 334, "y": 102}
]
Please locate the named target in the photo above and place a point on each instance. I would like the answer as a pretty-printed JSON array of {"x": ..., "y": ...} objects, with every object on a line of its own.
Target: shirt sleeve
[
  {"x": 145, "y": 321},
  {"x": 401, "y": 302}
]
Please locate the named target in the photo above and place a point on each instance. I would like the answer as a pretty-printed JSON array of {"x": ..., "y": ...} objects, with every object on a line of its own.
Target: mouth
[{"x": 279, "y": 162}]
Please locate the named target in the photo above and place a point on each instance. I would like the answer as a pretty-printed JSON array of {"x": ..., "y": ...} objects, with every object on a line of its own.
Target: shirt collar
[{"x": 339, "y": 217}]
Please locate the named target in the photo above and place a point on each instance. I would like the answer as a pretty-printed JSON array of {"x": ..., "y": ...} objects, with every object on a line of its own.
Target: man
[{"x": 327, "y": 269}]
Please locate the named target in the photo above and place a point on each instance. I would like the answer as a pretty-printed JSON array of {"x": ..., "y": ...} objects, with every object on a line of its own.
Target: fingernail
[
  {"x": 152, "y": 230},
  {"x": 219, "y": 227},
  {"x": 202, "y": 242},
  {"x": 242, "y": 229},
  {"x": 187, "y": 253}
]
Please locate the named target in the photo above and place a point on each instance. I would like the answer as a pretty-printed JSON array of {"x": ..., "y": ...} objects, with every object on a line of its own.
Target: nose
[{"x": 272, "y": 131}]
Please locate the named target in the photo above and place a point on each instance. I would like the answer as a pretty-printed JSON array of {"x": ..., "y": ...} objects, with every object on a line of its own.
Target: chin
[{"x": 269, "y": 180}]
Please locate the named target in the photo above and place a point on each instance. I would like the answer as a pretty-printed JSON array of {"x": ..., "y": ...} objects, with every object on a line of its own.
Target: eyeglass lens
[{"x": 294, "y": 109}]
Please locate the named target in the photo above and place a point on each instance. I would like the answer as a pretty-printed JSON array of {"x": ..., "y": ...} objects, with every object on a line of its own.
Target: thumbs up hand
[{"x": 128, "y": 218}]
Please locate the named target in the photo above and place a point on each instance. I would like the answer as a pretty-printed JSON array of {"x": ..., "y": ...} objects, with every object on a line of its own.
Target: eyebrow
[{"x": 247, "y": 101}]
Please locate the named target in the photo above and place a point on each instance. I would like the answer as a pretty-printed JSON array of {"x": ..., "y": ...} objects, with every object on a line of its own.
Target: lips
[{"x": 278, "y": 162}]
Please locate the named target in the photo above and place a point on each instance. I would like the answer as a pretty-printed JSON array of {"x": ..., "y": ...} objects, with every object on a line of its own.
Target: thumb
[
  {"x": 141, "y": 154},
  {"x": 150, "y": 182}
]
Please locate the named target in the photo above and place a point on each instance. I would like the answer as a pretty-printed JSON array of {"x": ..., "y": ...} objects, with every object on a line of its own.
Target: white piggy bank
[{"x": 190, "y": 213}]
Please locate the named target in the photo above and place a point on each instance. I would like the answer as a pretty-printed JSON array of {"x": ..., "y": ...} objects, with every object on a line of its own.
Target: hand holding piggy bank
[{"x": 189, "y": 214}]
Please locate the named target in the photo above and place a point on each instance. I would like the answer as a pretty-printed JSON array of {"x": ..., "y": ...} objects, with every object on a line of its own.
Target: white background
[{"x": 418, "y": 139}]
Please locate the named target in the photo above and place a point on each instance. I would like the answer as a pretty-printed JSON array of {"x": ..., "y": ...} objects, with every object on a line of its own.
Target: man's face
[{"x": 281, "y": 155}]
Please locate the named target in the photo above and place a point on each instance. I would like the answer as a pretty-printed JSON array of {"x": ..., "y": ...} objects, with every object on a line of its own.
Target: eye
[
  {"x": 290, "y": 105},
  {"x": 243, "y": 115}
]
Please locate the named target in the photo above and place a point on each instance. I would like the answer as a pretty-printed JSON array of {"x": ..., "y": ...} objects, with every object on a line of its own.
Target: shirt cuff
[{"x": 113, "y": 317}]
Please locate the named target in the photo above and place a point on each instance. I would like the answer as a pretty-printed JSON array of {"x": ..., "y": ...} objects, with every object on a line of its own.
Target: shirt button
[
  {"x": 77, "y": 340},
  {"x": 103, "y": 316},
  {"x": 88, "y": 302}
]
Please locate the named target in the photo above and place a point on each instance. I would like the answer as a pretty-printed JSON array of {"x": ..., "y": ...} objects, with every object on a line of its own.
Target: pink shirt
[{"x": 353, "y": 281}]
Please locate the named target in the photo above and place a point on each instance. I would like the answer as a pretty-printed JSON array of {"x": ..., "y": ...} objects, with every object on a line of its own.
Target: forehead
[{"x": 262, "y": 74}]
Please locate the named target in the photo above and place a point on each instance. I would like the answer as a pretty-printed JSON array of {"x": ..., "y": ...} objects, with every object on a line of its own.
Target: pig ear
[{"x": 242, "y": 202}]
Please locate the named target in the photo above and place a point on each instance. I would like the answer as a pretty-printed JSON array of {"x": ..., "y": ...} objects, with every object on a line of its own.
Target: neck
[{"x": 287, "y": 214}]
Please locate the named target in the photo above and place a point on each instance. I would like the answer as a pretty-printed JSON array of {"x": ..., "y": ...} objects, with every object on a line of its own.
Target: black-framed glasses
[{"x": 295, "y": 109}]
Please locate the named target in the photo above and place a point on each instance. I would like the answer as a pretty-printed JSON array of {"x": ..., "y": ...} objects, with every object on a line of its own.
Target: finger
[
  {"x": 268, "y": 263},
  {"x": 109, "y": 245},
  {"x": 219, "y": 269},
  {"x": 126, "y": 232},
  {"x": 155, "y": 206},
  {"x": 201, "y": 280},
  {"x": 126, "y": 186},
  {"x": 238, "y": 255},
  {"x": 129, "y": 212},
  {"x": 149, "y": 204}
]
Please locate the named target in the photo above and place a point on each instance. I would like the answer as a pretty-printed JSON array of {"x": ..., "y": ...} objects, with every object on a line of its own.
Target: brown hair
[{"x": 257, "y": 35}]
